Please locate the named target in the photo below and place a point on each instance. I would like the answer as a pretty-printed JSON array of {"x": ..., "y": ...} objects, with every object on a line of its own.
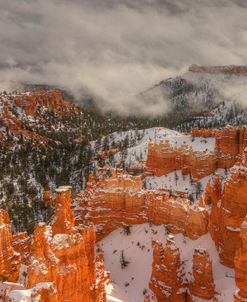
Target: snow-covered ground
[
  {"x": 127, "y": 284},
  {"x": 176, "y": 181},
  {"x": 115, "y": 293}
]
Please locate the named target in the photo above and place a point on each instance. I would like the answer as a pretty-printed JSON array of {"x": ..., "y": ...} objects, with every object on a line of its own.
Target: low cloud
[{"x": 116, "y": 49}]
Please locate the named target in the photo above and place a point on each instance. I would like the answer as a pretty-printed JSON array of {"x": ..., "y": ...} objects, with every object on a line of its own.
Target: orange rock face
[
  {"x": 102, "y": 277},
  {"x": 116, "y": 199},
  {"x": 240, "y": 263},
  {"x": 63, "y": 221},
  {"x": 44, "y": 292},
  {"x": 62, "y": 254},
  {"x": 228, "y": 211},
  {"x": 52, "y": 100},
  {"x": 9, "y": 259},
  {"x": 202, "y": 285},
  {"x": 163, "y": 159},
  {"x": 169, "y": 280},
  {"x": 48, "y": 198},
  {"x": 167, "y": 273},
  {"x": 61, "y": 261},
  {"x": 229, "y": 143},
  {"x": 21, "y": 243},
  {"x": 111, "y": 201}
]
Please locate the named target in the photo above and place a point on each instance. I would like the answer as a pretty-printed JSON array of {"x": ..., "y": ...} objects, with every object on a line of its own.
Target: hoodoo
[
  {"x": 62, "y": 264},
  {"x": 9, "y": 259},
  {"x": 240, "y": 263},
  {"x": 167, "y": 273},
  {"x": 202, "y": 286}
]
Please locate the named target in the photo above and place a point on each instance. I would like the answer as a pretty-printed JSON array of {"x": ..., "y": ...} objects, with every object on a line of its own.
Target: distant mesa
[{"x": 230, "y": 69}]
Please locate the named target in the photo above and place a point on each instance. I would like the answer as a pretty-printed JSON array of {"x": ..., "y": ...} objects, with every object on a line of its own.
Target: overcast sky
[{"x": 117, "y": 48}]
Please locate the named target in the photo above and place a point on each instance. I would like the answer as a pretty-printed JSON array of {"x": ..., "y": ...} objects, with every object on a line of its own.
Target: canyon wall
[
  {"x": 228, "y": 205},
  {"x": 164, "y": 158},
  {"x": 114, "y": 199}
]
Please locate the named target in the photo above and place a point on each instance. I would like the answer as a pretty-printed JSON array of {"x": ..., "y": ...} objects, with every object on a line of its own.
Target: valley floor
[{"x": 128, "y": 284}]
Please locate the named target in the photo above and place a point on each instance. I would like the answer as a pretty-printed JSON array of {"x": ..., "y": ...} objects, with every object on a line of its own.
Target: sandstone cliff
[
  {"x": 164, "y": 158},
  {"x": 115, "y": 199}
]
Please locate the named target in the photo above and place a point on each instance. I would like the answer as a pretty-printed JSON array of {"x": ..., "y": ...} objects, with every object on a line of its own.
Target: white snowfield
[
  {"x": 176, "y": 181},
  {"x": 127, "y": 284}
]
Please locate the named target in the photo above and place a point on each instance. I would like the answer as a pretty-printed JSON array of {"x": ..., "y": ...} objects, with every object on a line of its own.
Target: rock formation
[
  {"x": 171, "y": 282},
  {"x": 229, "y": 143},
  {"x": 228, "y": 211},
  {"x": 21, "y": 243},
  {"x": 110, "y": 201},
  {"x": 9, "y": 259},
  {"x": 23, "y": 109},
  {"x": 202, "y": 285},
  {"x": 52, "y": 100},
  {"x": 167, "y": 273},
  {"x": 164, "y": 158},
  {"x": 240, "y": 263},
  {"x": 65, "y": 255},
  {"x": 115, "y": 199},
  {"x": 61, "y": 260}
]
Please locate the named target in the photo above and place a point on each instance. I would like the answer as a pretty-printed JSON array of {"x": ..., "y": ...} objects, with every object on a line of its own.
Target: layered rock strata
[
  {"x": 115, "y": 199},
  {"x": 164, "y": 158}
]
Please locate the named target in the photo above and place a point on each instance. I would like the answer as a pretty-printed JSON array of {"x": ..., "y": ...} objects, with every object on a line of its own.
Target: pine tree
[{"x": 124, "y": 263}]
